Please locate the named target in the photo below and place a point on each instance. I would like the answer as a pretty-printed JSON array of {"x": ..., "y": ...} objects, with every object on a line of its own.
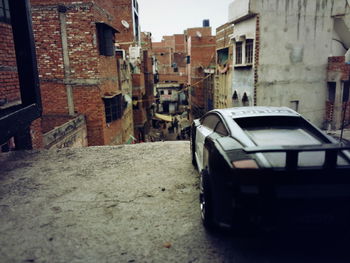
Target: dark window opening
[
  {"x": 106, "y": 41},
  {"x": 137, "y": 33},
  {"x": 113, "y": 108},
  {"x": 188, "y": 59},
  {"x": 235, "y": 95},
  {"x": 170, "y": 92},
  {"x": 222, "y": 56},
  {"x": 5, "y": 11},
  {"x": 245, "y": 99},
  {"x": 249, "y": 51},
  {"x": 331, "y": 91},
  {"x": 176, "y": 69},
  {"x": 238, "y": 52},
  {"x": 346, "y": 91},
  {"x": 294, "y": 104},
  {"x": 135, "y": 103}
]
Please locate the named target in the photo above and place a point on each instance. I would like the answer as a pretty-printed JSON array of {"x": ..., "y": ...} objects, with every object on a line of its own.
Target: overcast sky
[{"x": 168, "y": 17}]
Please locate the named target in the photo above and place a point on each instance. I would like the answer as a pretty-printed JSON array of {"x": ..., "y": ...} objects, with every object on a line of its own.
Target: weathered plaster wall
[
  {"x": 243, "y": 77},
  {"x": 296, "y": 40}
]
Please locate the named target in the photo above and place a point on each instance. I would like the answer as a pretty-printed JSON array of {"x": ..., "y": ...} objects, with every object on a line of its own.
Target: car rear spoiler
[{"x": 292, "y": 153}]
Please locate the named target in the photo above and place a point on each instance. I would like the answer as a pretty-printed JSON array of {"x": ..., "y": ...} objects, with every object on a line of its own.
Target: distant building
[
  {"x": 171, "y": 97},
  {"x": 201, "y": 47}
]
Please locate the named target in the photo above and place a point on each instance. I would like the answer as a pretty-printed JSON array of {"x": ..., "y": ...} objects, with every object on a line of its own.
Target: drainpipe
[{"x": 67, "y": 71}]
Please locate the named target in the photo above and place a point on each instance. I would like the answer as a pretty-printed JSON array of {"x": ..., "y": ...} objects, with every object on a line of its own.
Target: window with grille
[
  {"x": 113, "y": 108},
  {"x": 5, "y": 11},
  {"x": 249, "y": 51},
  {"x": 238, "y": 52}
]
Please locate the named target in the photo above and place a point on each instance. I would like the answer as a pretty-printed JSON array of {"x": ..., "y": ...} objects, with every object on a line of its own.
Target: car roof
[{"x": 256, "y": 111}]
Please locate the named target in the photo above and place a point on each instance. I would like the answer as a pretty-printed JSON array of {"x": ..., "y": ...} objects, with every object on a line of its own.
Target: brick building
[
  {"x": 20, "y": 104},
  {"x": 201, "y": 47},
  {"x": 223, "y": 96},
  {"x": 78, "y": 69},
  {"x": 338, "y": 100},
  {"x": 170, "y": 55}
]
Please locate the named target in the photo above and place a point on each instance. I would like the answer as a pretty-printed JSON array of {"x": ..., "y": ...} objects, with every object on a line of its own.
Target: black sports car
[{"x": 263, "y": 164}]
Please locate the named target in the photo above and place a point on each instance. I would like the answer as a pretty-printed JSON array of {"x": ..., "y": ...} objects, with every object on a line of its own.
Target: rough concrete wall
[
  {"x": 295, "y": 44},
  {"x": 70, "y": 134}
]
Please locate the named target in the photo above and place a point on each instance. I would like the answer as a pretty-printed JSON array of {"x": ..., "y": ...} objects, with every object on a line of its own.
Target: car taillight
[{"x": 245, "y": 164}]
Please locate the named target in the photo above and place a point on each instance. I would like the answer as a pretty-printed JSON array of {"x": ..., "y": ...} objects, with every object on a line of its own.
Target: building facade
[
  {"x": 223, "y": 74},
  {"x": 201, "y": 45},
  {"x": 281, "y": 51},
  {"x": 78, "y": 67}
]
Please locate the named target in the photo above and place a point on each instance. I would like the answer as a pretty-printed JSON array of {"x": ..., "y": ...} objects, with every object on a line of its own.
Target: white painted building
[{"x": 281, "y": 50}]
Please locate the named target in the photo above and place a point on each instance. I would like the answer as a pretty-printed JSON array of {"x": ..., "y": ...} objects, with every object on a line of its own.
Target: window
[
  {"x": 162, "y": 92},
  {"x": 245, "y": 99},
  {"x": 221, "y": 129},
  {"x": 188, "y": 59},
  {"x": 105, "y": 35},
  {"x": 235, "y": 95},
  {"x": 210, "y": 121},
  {"x": 113, "y": 108},
  {"x": 331, "y": 91},
  {"x": 222, "y": 56},
  {"x": 238, "y": 52},
  {"x": 5, "y": 11},
  {"x": 170, "y": 92},
  {"x": 346, "y": 91},
  {"x": 294, "y": 105},
  {"x": 249, "y": 51}
]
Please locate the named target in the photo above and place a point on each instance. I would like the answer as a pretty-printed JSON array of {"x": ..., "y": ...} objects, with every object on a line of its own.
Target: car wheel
[{"x": 205, "y": 201}]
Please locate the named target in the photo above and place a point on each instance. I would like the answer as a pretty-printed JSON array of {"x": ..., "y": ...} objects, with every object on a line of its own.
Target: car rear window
[
  {"x": 283, "y": 131},
  {"x": 277, "y": 130}
]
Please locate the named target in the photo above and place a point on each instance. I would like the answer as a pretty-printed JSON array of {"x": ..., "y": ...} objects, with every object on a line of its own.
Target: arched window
[{"x": 245, "y": 99}]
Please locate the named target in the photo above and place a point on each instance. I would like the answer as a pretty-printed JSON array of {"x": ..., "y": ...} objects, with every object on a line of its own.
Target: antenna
[
  {"x": 199, "y": 34},
  {"x": 125, "y": 24}
]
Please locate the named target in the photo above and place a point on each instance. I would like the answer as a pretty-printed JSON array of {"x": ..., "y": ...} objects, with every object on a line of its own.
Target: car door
[{"x": 206, "y": 127}]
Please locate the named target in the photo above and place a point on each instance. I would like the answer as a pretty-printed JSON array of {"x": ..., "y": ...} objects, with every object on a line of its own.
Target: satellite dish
[
  {"x": 125, "y": 24},
  {"x": 199, "y": 34}
]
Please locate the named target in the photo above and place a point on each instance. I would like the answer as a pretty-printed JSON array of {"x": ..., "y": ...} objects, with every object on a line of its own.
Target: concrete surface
[{"x": 134, "y": 203}]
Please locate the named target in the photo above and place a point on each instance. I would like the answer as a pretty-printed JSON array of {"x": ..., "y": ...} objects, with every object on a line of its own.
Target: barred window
[
  {"x": 5, "y": 11},
  {"x": 113, "y": 108},
  {"x": 249, "y": 51},
  {"x": 238, "y": 52}
]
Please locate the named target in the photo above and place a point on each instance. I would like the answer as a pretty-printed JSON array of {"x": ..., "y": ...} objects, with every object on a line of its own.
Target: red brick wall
[
  {"x": 9, "y": 85},
  {"x": 202, "y": 51},
  {"x": 92, "y": 75},
  {"x": 337, "y": 64},
  {"x": 123, "y": 11},
  {"x": 205, "y": 31},
  {"x": 88, "y": 101}
]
